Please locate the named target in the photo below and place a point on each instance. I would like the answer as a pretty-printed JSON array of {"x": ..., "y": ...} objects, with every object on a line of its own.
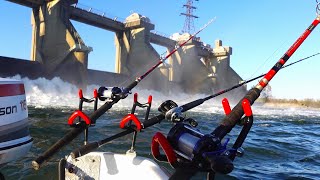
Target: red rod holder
[
  {"x": 160, "y": 140},
  {"x": 131, "y": 117},
  {"x": 80, "y": 114}
]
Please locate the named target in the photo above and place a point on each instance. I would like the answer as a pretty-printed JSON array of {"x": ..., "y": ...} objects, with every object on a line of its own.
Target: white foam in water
[
  {"x": 42, "y": 93},
  {"x": 58, "y": 93},
  {"x": 49, "y": 93}
]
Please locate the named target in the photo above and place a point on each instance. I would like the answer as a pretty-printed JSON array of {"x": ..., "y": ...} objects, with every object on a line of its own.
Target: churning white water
[{"x": 42, "y": 93}]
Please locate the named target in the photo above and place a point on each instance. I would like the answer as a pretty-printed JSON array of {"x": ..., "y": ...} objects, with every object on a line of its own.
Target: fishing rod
[
  {"x": 202, "y": 100},
  {"x": 94, "y": 145},
  {"x": 206, "y": 152},
  {"x": 187, "y": 149},
  {"x": 116, "y": 95},
  {"x": 268, "y": 76},
  {"x": 237, "y": 112}
]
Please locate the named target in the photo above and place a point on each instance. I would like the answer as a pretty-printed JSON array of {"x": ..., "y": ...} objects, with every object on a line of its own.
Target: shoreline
[{"x": 305, "y": 103}]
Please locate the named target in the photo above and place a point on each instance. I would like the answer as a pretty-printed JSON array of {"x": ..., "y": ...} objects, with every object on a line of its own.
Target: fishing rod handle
[
  {"x": 68, "y": 137},
  {"x": 84, "y": 149},
  {"x": 104, "y": 108},
  {"x": 55, "y": 148},
  {"x": 94, "y": 145},
  {"x": 153, "y": 121},
  {"x": 237, "y": 112},
  {"x": 130, "y": 87}
]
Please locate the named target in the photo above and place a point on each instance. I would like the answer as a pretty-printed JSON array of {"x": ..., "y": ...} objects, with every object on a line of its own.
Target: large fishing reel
[
  {"x": 186, "y": 146},
  {"x": 201, "y": 150}
]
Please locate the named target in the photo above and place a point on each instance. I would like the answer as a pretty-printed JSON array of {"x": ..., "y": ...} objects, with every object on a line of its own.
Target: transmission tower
[{"x": 189, "y": 23}]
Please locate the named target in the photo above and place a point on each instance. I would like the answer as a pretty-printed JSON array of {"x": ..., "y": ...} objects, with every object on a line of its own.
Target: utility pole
[{"x": 189, "y": 22}]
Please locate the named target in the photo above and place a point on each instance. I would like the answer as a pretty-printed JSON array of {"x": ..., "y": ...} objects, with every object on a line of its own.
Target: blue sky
[{"x": 260, "y": 32}]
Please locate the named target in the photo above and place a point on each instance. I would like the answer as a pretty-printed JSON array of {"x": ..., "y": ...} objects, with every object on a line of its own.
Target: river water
[{"x": 283, "y": 142}]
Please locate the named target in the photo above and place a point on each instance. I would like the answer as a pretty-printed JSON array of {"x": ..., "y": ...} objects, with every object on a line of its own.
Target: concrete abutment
[{"x": 57, "y": 45}]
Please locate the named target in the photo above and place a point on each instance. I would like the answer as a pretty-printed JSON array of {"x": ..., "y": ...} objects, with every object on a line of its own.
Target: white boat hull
[{"x": 106, "y": 165}]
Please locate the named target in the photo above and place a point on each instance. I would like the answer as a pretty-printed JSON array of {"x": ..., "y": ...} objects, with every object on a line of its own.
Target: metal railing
[
  {"x": 161, "y": 34},
  {"x": 98, "y": 12}
]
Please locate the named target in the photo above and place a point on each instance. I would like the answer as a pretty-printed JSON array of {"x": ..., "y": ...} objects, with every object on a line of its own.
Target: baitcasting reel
[
  {"x": 202, "y": 150},
  {"x": 194, "y": 149},
  {"x": 174, "y": 114},
  {"x": 111, "y": 94}
]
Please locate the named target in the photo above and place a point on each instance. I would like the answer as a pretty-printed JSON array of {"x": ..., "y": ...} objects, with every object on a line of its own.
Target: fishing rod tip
[{"x": 212, "y": 20}]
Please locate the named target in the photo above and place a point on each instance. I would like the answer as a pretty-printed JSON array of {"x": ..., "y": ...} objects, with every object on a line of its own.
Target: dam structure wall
[{"x": 58, "y": 50}]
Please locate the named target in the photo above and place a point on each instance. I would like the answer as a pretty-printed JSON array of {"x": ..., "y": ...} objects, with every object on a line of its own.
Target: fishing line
[
  {"x": 318, "y": 8},
  {"x": 165, "y": 55},
  {"x": 257, "y": 69},
  {"x": 218, "y": 93},
  {"x": 141, "y": 70},
  {"x": 269, "y": 58},
  {"x": 95, "y": 11}
]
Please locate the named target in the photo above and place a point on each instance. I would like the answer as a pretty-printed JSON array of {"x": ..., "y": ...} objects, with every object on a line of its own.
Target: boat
[{"x": 15, "y": 140}]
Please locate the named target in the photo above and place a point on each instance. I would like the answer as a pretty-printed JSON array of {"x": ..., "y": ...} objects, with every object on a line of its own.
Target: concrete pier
[
  {"x": 135, "y": 55},
  {"x": 188, "y": 70},
  {"x": 56, "y": 43},
  {"x": 222, "y": 74}
]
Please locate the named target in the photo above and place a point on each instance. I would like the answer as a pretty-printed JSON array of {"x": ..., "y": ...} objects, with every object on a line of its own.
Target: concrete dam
[{"x": 58, "y": 50}]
